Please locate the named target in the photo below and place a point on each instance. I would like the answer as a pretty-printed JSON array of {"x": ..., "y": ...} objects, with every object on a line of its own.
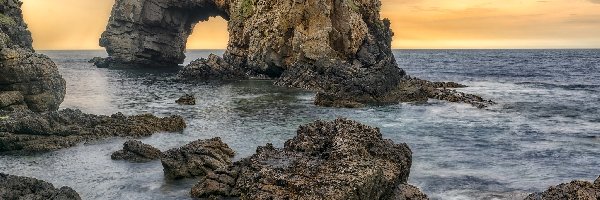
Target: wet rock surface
[
  {"x": 186, "y": 99},
  {"x": 136, "y": 151},
  {"x": 342, "y": 159},
  {"x": 409, "y": 90},
  {"x": 28, "y": 132},
  {"x": 575, "y": 190},
  {"x": 197, "y": 158},
  {"x": 29, "y": 80},
  {"x": 212, "y": 68},
  {"x": 17, "y": 187}
]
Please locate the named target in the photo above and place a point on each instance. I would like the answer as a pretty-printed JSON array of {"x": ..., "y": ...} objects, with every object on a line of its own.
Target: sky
[{"x": 417, "y": 24}]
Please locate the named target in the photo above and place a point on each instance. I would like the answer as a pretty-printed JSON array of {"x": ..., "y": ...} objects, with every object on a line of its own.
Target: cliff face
[
  {"x": 340, "y": 47},
  {"x": 153, "y": 33},
  {"x": 29, "y": 80}
]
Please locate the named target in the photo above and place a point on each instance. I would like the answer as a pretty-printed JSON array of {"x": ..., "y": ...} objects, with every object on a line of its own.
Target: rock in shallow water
[
  {"x": 342, "y": 159},
  {"x": 136, "y": 151},
  {"x": 197, "y": 158},
  {"x": 29, "y": 132},
  {"x": 187, "y": 99},
  {"x": 17, "y": 187},
  {"x": 575, "y": 190}
]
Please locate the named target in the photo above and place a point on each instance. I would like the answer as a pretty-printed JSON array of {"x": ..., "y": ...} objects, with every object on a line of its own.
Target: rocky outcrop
[
  {"x": 153, "y": 33},
  {"x": 197, "y": 158},
  {"x": 17, "y": 187},
  {"x": 213, "y": 68},
  {"x": 28, "y": 132},
  {"x": 409, "y": 90},
  {"x": 575, "y": 190},
  {"x": 29, "y": 80},
  {"x": 186, "y": 99},
  {"x": 341, "y": 49},
  {"x": 342, "y": 159},
  {"x": 136, "y": 151}
]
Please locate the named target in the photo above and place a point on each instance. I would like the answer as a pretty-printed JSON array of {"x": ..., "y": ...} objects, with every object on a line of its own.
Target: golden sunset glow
[{"x": 77, "y": 24}]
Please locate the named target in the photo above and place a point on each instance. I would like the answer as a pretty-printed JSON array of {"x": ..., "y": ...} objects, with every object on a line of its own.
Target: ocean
[{"x": 545, "y": 129}]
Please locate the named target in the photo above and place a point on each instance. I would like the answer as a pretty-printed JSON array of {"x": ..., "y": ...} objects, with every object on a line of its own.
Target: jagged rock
[
  {"x": 209, "y": 69},
  {"x": 409, "y": 90},
  {"x": 409, "y": 192},
  {"x": 136, "y": 151},
  {"x": 341, "y": 49},
  {"x": 34, "y": 75},
  {"x": 186, "y": 99},
  {"x": 28, "y": 132},
  {"x": 575, "y": 190},
  {"x": 153, "y": 33},
  {"x": 17, "y": 187},
  {"x": 342, "y": 159},
  {"x": 197, "y": 158}
]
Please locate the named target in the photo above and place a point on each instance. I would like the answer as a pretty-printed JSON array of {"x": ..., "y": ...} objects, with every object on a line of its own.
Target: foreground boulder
[
  {"x": 136, "y": 151},
  {"x": 30, "y": 132},
  {"x": 17, "y": 187},
  {"x": 29, "y": 81},
  {"x": 342, "y": 159},
  {"x": 575, "y": 190},
  {"x": 197, "y": 158}
]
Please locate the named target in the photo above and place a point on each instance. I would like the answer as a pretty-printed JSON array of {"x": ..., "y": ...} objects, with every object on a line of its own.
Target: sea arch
[{"x": 155, "y": 32}]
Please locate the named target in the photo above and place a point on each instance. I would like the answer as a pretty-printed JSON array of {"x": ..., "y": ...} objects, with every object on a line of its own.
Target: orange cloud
[{"x": 77, "y": 24}]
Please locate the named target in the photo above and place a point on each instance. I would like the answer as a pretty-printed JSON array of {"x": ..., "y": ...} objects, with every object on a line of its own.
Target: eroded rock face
[
  {"x": 342, "y": 159},
  {"x": 17, "y": 187},
  {"x": 29, "y": 80},
  {"x": 136, "y": 151},
  {"x": 153, "y": 33},
  {"x": 341, "y": 49},
  {"x": 575, "y": 190},
  {"x": 197, "y": 158},
  {"x": 29, "y": 132}
]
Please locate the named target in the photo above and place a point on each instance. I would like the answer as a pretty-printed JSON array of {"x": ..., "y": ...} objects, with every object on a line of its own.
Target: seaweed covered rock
[
  {"x": 17, "y": 187},
  {"x": 575, "y": 190},
  {"x": 29, "y": 80},
  {"x": 342, "y": 159},
  {"x": 136, "y": 151},
  {"x": 197, "y": 158},
  {"x": 30, "y": 132}
]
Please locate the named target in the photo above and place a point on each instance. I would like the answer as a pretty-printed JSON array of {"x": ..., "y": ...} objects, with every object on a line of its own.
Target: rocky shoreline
[
  {"x": 17, "y": 187},
  {"x": 341, "y": 50},
  {"x": 29, "y": 132}
]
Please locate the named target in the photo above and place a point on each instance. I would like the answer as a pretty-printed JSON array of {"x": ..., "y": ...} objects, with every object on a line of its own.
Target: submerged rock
[
  {"x": 197, "y": 158},
  {"x": 29, "y": 80},
  {"x": 17, "y": 187},
  {"x": 30, "y": 132},
  {"x": 186, "y": 100},
  {"x": 136, "y": 151},
  {"x": 575, "y": 190},
  {"x": 342, "y": 159}
]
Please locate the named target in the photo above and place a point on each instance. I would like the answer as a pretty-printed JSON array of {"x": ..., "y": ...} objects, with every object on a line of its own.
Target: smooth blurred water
[{"x": 544, "y": 131}]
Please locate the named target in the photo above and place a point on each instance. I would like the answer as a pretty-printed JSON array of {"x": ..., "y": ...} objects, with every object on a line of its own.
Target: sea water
[{"x": 545, "y": 129}]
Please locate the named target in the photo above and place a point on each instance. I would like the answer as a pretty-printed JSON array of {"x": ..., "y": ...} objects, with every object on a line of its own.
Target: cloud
[{"x": 595, "y": 1}]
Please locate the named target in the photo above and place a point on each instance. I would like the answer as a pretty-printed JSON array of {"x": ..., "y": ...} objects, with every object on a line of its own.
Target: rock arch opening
[
  {"x": 154, "y": 33},
  {"x": 209, "y": 35}
]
